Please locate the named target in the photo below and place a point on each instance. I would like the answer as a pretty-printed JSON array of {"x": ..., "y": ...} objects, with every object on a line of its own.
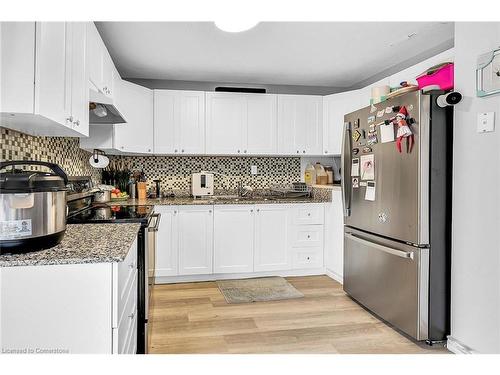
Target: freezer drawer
[{"x": 389, "y": 278}]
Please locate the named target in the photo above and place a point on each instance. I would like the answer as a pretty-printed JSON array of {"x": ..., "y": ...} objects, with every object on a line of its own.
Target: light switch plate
[
  {"x": 253, "y": 169},
  {"x": 485, "y": 122}
]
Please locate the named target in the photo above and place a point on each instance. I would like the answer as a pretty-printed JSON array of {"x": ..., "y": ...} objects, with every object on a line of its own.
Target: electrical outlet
[{"x": 253, "y": 170}]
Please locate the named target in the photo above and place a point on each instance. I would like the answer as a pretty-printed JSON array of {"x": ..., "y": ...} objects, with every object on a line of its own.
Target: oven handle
[{"x": 157, "y": 223}]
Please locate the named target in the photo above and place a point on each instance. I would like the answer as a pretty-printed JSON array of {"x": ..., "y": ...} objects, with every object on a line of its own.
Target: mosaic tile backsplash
[
  {"x": 173, "y": 171},
  {"x": 60, "y": 150}
]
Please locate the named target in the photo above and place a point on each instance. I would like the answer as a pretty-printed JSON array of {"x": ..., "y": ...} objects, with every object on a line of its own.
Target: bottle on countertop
[
  {"x": 310, "y": 175},
  {"x": 321, "y": 176},
  {"x": 329, "y": 173}
]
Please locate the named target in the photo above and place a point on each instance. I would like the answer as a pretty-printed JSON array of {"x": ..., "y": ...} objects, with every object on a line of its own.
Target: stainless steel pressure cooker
[{"x": 32, "y": 207}]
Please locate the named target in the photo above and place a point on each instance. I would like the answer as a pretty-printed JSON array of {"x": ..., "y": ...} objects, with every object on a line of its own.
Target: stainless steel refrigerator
[{"x": 397, "y": 214}]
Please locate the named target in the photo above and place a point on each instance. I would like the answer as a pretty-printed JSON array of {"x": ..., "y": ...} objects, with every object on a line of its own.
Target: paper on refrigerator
[{"x": 367, "y": 167}]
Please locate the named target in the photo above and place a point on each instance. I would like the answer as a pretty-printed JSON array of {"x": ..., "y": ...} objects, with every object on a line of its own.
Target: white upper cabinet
[
  {"x": 271, "y": 238},
  {"x": 261, "y": 127},
  {"x": 43, "y": 78},
  {"x": 300, "y": 124},
  {"x": 100, "y": 65},
  {"x": 240, "y": 124},
  {"x": 79, "y": 77},
  {"x": 136, "y": 105},
  {"x": 225, "y": 123},
  {"x": 233, "y": 238},
  {"x": 179, "y": 122},
  {"x": 335, "y": 106}
]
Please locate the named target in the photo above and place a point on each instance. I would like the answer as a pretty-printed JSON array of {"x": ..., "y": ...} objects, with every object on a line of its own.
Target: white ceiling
[{"x": 336, "y": 54}]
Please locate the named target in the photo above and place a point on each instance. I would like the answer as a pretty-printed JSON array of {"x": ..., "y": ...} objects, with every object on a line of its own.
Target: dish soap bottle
[{"x": 310, "y": 175}]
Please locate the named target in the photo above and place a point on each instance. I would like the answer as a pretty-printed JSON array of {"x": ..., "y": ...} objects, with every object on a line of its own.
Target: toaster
[{"x": 202, "y": 184}]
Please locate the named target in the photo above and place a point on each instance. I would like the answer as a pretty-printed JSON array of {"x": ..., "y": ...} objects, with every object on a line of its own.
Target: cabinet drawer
[
  {"x": 311, "y": 257},
  {"x": 126, "y": 271},
  {"x": 311, "y": 213},
  {"x": 127, "y": 314},
  {"x": 307, "y": 236},
  {"x": 131, "y": 342}
]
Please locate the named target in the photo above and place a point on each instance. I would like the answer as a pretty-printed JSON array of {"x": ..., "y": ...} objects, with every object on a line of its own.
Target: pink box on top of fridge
[{"x": 439, "y": 77}]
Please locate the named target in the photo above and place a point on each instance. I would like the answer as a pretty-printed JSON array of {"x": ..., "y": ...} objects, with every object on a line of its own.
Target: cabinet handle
[
  {"x": 69, "y": 119},
  {"x": 175, "y": 150},
  {"x": 175, "y": 212},
  {"x": 149, "y": 150},
  {"x": 77, "y": 122},
  {"x": 251, "y": 210},
  {"x": 209, "y": 211},
  {"x": 238, "y": 151},
  {"x": 258, "y": 209},
  {"x": 309, "y": 214},
  {"x": 182, "y": 150},
  {"x": 131, "y": 265},
  {"x": 326, "y": 151},
  {"x": 308, "y": 236},
  {"x": 131, "y": 316},
  {"x": 121, "y": 147},
  {"x": 245, "y": 151},
  {"x": 298, "y": 152},
  {"x": 304, "y": 151}
]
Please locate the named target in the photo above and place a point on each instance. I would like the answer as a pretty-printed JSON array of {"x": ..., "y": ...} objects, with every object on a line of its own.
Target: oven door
[{"x": 149, "y": 266}]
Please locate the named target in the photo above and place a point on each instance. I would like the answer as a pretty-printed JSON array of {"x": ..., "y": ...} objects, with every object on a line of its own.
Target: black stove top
[{"x": 109, "y": 213}]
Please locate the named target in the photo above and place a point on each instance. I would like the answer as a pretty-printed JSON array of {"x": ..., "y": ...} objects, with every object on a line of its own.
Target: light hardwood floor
[{"x": 194, "y": 318}]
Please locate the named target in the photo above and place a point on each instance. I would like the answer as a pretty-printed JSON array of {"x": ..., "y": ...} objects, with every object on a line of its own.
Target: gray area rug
[{"x": 257, "y": 290}]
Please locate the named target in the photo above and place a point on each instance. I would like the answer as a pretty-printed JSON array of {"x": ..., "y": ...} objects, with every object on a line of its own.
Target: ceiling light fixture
[{"x": 235, "y": 26}]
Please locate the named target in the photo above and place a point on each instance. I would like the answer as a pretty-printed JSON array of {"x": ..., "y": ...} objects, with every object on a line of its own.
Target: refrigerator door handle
[
  {"x": 346, "y": 179},
  {"x": 386, "y": 249}
]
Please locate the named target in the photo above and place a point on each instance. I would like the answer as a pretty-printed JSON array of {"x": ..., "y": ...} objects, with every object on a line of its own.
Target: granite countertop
[
  {"x": 82, "y": 243},
  {"x": 179, "y": 201}
]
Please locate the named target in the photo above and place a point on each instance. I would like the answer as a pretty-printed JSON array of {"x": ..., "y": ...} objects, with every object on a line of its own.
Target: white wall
[{"x": 475, "y": 304}]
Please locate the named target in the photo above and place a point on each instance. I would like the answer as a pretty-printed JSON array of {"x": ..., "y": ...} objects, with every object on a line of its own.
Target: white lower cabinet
[
  {"x": 272, "y": 224},
  {"x": 195, "y": 239},
  {"x": 167, "y": 254},
  {"x": 334, "y": 236},
  {"x": 202, "y": 241},
  {"x": 233, "y": 238},
  {"x": 75, "y": 308}
]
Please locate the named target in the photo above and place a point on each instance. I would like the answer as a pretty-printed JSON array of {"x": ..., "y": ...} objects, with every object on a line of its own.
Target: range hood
[{"x": 102, "y": 111}]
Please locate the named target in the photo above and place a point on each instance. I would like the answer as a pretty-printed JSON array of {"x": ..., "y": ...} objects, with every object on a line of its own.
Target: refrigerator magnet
[
  {"x": 355, "y": 182},
  {"x": 381, "y": 113},
  {"x": 362, "y": 183},
  {"x": 355, "y": 151},
  {"x": 367, "y": 150},
  {"x": 370, "y": 191},
  {"x": 355, "y": 167},
  {"x": 356, "y": 135},
  {"x": 371, "y": 119},
  {"x": 372, "y": 139},
  {"x": 388, "y": 110}
]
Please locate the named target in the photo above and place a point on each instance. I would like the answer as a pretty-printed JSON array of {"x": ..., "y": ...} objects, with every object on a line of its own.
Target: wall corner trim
[{"x": 456, "y": 347}]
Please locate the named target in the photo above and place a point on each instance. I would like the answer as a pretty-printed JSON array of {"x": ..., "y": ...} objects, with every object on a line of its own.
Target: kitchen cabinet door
[
  {"x": 334, "y": 236},
  {"x": 261, "y": 127},
  {"x": 52, "y": 72},
  {"x": 79, "y": 78},
  {"x": 136, "y": 105},
  {"x": 179, "y": 122},
  {"x": 190, "y": 122},
  {"x": 195, "y": 240},
  {"x": 164, "y": 121},
  {"x": 233, "y": 238},
  {"x": 167, "y": 252},
  {"x": 271, "y": 238},
  {"x": 335, "y": 106},
  {"x": 226, "y": 118},
  {"x": 94, "y": 56},
  {"x": 300, "y": 124}
]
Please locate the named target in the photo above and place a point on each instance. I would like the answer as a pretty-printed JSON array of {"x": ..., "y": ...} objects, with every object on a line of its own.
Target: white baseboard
[
  {"x": 226, "y": 276},
  {"x": 455, "y": 346},
  {"x": 334, "y": 276}
]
